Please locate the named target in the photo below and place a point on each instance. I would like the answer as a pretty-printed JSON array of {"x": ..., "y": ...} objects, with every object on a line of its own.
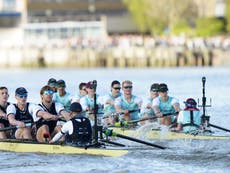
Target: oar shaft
[
  {"x": 139, "y": 141},
  {"x": 13, "y": 127},
  {"x": 218, "y": 127}
]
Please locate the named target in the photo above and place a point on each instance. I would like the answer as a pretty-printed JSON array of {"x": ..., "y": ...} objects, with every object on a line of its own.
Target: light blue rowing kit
[
  {"x": 109, "y": 108},
  {"x": 64, "y": 100},
  {"x": 87, "y": 102},
  {"x": 145, "y": 110},
  {"x": 190, "y": 120},
  {"x": 166, "y": 107},
  {"x": 132, "y": 105}
]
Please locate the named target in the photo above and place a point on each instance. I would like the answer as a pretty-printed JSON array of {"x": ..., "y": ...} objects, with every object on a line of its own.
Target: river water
[{"x": 184, "y": 156}]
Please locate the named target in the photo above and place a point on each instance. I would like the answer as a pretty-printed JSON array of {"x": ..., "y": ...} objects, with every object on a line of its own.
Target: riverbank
[{"x": 112, "y": 57}]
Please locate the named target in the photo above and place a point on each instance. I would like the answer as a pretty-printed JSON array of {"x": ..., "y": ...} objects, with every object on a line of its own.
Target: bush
[{"x": 209, "y": 27}]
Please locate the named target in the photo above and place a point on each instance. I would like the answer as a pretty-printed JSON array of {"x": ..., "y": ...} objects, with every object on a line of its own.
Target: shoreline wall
[{"x": 111, "y": 57}]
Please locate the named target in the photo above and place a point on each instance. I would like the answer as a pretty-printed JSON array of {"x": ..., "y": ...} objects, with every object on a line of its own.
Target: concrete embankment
[{"x": 111, "y": 57}]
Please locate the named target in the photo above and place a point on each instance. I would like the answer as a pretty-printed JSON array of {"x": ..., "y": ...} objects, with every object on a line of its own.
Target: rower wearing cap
[
  {"x": 146, "y": 109},
  {"x": 53, "y": 84},
  {"x": 62, "y": 96},
  {"x": 21, "y": 113},
  {"x": 4, "y": 95},
  {"x": 165, "y": 104},
  {"x": 78, "y": 130},
  {"x": 190, "y": 118}
]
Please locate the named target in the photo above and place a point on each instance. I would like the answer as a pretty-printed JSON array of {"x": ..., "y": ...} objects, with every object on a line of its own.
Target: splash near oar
[{"x": 109, "y": 132}]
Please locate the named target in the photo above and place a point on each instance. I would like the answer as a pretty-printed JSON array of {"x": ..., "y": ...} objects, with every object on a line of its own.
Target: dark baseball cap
[
  {"x": 154, "y": 87},
  {"x": 163, "y": 87},
  {"x": 75, "y": 107},
  {"x": 52, "y": 82},
  {"x": 20, "y": 91},
  {"x": 61, "y": 83}
]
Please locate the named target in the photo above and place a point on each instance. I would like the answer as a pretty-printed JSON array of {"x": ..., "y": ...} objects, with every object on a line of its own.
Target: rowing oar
[
  {"x": 109, "y": 132},
  {"x": 123, "y": 123},
  {"x": 218, "y": 127},
  {"x": 13, "y": 127}
]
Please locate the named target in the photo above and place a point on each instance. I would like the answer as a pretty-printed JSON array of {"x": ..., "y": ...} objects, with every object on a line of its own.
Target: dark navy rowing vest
[
  {"x": 4, "y": 121},
  {"x": 51, "y": 123},
  {"x": 82, "y": 131},
  {"x": 24, "y": 116}
]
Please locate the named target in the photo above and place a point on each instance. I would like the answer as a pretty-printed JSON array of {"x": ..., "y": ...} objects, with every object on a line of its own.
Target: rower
[
  {"x": 128, "y": 102},
  {"x": 165, "y": 104},
  {"x": 146, "y": 109},
  {"x": 46, "y": 121},
  {"x": 81, "y": 93},
  {"x": 110, "y": 115},
  {"x": 3, "y": 105},
  {"x": 78, "y": 130},
  {"x": 62, "y": 96},
  {"x": 21, "y": 113},
  {"x": 53, "y": 84},
  {"x": 190, "y": 118}
]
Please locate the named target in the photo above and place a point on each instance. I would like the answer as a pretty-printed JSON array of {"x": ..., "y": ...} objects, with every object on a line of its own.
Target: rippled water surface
[{"x": 183, "y": 156}]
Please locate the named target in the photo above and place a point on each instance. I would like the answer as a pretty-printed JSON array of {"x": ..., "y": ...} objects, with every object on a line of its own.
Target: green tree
[
  {"x": 227, "y": 15},
  {"x": 156, "y": 15}
]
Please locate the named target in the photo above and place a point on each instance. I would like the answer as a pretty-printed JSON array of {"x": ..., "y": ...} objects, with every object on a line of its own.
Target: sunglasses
[
  {"x": 154, "y": 90},
  {"x": 126, "y": 87},
  {"x": 61, "y": 86},
  {"x": 117, "y": 88},
  {"x": 22, "y": 96},
  {"x": 48, "y": 92}
]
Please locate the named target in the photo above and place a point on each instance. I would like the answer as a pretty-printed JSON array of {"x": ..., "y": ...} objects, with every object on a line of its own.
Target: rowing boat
[
  {"x": 34, "y": 147},
  {"x": 153, "y": 134}
]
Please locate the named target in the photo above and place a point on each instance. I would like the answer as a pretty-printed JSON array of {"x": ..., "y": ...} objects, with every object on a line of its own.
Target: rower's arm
[
  {"x": 65, "y": 114},
  {"x": 46, "y": 115},
  {"x": 15, "y": 122}
]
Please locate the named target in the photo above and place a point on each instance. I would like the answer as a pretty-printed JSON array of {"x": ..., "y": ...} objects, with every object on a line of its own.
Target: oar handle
[{"x": 150, "y": 118}]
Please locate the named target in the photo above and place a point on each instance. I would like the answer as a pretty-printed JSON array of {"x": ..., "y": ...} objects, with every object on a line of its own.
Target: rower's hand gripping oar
[
  {"x": 14, "y": 127},
  {"x": 124, "y": 123},
  {"x": 109, "y": 132}
]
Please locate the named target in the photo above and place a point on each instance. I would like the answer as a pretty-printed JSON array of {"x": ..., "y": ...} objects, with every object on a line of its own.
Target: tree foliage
[
  {"x": 227, "y": 15},
  {"x": 157, "y": 15},
  {"x": 210, "y": 26}
]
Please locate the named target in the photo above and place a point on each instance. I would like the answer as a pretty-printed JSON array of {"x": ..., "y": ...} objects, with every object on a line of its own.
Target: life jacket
[
  {"x": 24, "y": 116},
  {"x": 82, "y": 131},
  {"x": 191, "y": 120},
  {"x": 51, "y": 123}
]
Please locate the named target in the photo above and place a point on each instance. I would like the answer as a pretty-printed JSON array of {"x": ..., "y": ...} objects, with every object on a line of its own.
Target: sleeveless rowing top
[
  {"x": 167, "y": 107},
  {"x": 132, "y": 105},
  {"x": 24, "y": 115}
]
